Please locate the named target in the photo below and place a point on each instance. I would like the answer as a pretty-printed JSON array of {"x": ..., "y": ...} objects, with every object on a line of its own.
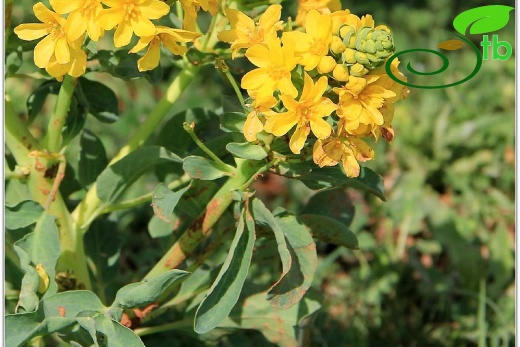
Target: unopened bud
[
  {"x": 326, "y": 64},
  {"x": 43, "y": 285},
  {"x": 337, "y": 46},
  {"x": 340, "y": 73},
  {"x": 358, "y": 70}
]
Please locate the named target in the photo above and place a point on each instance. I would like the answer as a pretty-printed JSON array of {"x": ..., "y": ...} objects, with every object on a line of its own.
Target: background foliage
[{"x": 436, "y": 260}]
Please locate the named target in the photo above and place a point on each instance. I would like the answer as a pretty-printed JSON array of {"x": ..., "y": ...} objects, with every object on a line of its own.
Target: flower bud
[
  {"x": 340, "y": 73},
  {"x": 349, "y": 56},
  {"x": 337, "y": 46},
  {"x": 358, "y": 70},
  {"x": 43, "y": 285},
  {"x": 326, "y": 64}
]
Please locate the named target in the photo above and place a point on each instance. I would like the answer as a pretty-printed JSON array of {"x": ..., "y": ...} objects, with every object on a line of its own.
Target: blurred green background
[{"x": 436, "y": 260}]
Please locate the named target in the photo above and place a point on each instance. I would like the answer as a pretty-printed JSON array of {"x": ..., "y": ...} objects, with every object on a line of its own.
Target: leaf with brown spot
[
  {"x": 280, "y": 327},
  {"x": 451, "y": 45},
  {"x": 290, "y": 289},
  {"x": 164, "y": 201}
]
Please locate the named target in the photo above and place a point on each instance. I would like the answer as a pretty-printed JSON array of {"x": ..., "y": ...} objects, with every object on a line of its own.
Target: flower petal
[
  {"x": 151, "y": 58},
  {"x": 66, "y": 6},
  {"x": 44, "y": 14},
  {"x": 142, "y": 26},
  {"x": 123, "y": 34},
  {"x": 44, "y": 51},
  {"x": 298, "y": 139},
  {"x": 155, "y": 10},
  {"x": 75, "y": 26},
  {"x": 62, "y": 51},
  {"x": 31, "y": 31},
  {"x": 109, "y": 18}
]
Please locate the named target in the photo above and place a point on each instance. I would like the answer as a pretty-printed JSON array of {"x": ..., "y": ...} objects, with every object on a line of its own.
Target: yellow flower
[
  {"x": 191, "y": 7},
  {"x": 253, "y": 124},
  {"x": 245, "y": 32},
  {"x": 314, "y": 43},
  {"x": 55, "y": 42},
  {"x": 169, "y": 38},
  {"x": 82, "y": 17},
  {"x": 131, "y": 16},
  {"x": 275, "y": 64},
  {"x": 322, "y": 6},
  {"x": 359, "y": 103},
  {"x": 347, "y": 150},
  {"x": 75, "y": 67},
  {"x": 307, "y": 114}
]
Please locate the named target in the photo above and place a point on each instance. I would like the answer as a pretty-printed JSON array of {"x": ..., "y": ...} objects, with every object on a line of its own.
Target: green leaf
[
  {"x": 247, "y": 150},
  {"x": 92, "y": 158},
  {"x": 225, "y": 290},
  {"x": 233, "y": 122},
  {"x": 25, "y": 326},
  {"x": 123, "y": 65},
  {"x": 75, "y": 120},
  {"x": 114, "y": 334},
  {"x": 196, "y": 199},
  {"x": 164, "y": 201},
  {"x": 147, "y": 291},
  {"x": 290, "y": 289},
  {"x": 22, "y": 215},
  {"x": 103, "y": 247},
  {"x": 113, "y": 181},
  {"x": 39, "y": 247},
  {"x": 37, "y": 98},
  {"x": 293, "y": 170},
  {"x": 264, "y": 217},
  {"x": 13, "y": 61},
  {"x": 329, "y": 230},
  {"x": 102, "y": 101},
  {"x": 55, "y": 313},
  {"x": 280, "y": 327},
  {"x": 198, "y": 58},
  {"x": 201, "y": 168},
  {"x": 333, "y": 177},
  {"x": 483, "y": 19},
  {"x": 333, "y": 203}
]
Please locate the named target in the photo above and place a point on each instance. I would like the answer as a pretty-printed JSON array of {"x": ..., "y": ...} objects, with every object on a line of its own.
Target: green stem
[
  {"x": 237, "y": 90},
  {"x": 202, "y": 227},
  {"x": 53, "y": 139},
  {"x": 190, "y": 129},
  {"x": 26, "y": 152},
  {"x": 90, "y": 207}
]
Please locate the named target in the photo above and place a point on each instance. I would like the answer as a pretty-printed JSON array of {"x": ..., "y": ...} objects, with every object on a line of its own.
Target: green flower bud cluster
[
  {"x": 367, "y": 46},
  {"x": 363, "y": 49}
]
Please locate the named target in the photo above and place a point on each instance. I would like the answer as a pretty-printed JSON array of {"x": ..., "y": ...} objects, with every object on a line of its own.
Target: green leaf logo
[{"x": 482, "y": 20}]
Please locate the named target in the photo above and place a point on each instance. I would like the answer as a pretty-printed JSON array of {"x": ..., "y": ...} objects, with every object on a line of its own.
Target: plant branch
[
  {"x": 53, "y": 139},
  {"x": 202, "y": 227}
]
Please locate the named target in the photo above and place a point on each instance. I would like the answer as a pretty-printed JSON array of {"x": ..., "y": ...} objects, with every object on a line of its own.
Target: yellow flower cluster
[
  {"x": 60, "y": 52},
  {"x": 339, "y": 58}
]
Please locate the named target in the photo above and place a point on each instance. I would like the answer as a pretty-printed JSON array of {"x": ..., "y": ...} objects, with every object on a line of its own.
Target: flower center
[
  {"x": 131, "y": 11},
  {"x": 89, "y": 8},
  {"x": 55, "y": 31},
  {"x": 277, "y": 73},
  {"x": 317, "y": 47}
]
